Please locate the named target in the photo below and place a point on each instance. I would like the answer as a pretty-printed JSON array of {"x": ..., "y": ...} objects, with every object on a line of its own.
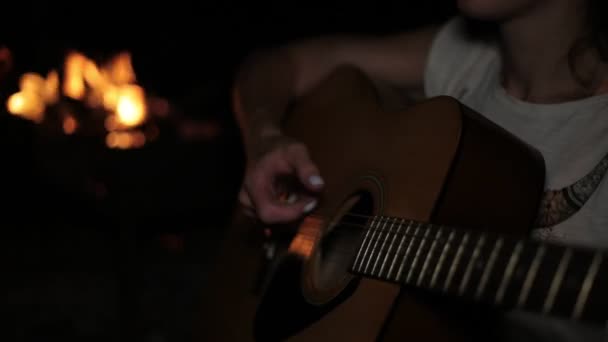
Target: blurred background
[{"x": 120, "y": 156}]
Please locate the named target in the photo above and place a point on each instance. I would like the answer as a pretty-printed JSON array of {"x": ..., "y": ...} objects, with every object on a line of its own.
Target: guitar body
[{"x": 436, "y": 161}]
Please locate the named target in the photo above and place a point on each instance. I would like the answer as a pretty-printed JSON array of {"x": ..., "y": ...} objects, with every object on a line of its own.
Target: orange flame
[
  {"x": 36, "y": 92},
  {"x": 111, "y": 86},
  {"x": 73, "y": 83}
]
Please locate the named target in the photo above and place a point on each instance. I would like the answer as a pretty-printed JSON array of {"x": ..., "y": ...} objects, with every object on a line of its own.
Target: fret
[
  {"x": 583, "y": 295},
  {"x": 390, "y": 247},
  {"x": 488, "y": 269},
  {"x": 544, "y": 279},
  {"x": 417, "y": 255},
  {"x": 557, "y": 280},
  {"x": 527, "y": 286},
  {"x": 521, "y": 268},
  {"x": 399, "y": 248},
  {"x": 379, "y": 232},
  {"x": 381, "y": 250},
  {"x": 432, "y": 254},
  {"x": 595, "y": 309},
  {"x": 471, "y": 264},
  {"x": 407, "y": 252},
  {"x": 490, "y": 272},
  {"x": 574, "y": 276},
  {"x": 509, "y": 272},
  {"x": 455, "y": 262},
  {"x": 358, "y": 259},
  {"x": 429, "y": 255},
  {"x": 442, "y": 257}
]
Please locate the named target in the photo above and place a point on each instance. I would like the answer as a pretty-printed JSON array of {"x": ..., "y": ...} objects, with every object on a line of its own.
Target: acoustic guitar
[{"x": 421, "y": 233}]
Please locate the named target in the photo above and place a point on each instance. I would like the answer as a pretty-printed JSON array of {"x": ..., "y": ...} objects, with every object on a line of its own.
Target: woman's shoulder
[{"x": 462, "y": 51}]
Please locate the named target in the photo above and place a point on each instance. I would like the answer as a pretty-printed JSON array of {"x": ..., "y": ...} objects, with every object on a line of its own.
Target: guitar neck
[{"x": 495, "y": 269}]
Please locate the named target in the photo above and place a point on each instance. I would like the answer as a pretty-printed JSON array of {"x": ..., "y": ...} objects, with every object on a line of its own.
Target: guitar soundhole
[{"x": 328, "y": 273}]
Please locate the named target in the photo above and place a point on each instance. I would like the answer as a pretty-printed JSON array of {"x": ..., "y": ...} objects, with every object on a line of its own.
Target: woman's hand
[{"x": 265, "y": 195}]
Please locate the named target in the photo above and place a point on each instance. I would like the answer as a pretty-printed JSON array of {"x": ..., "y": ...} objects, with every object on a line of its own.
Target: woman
[{"x": 539, "y": 70}]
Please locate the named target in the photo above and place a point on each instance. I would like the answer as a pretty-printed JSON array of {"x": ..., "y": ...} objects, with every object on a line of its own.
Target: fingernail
[
  {"x": 315, "y": 180},
  {"x": 309, "y": 207}
]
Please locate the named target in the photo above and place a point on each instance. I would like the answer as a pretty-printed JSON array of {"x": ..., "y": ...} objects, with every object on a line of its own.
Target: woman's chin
[{"x": 493, "y": 9}]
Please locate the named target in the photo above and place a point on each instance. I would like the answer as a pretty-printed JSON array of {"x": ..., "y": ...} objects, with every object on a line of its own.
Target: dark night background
[{"x": 80, "y": 264}]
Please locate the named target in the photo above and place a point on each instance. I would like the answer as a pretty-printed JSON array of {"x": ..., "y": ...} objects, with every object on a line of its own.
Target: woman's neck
[{"x": 536, "y": 49}]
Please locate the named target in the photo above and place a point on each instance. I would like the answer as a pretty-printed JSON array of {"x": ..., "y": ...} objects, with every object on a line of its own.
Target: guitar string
[
  {"x": 385, "y": 219},
  {"x": 420, "y": 237},
  {"x": 400, "y": 259},
  {"x": 377, "y": 220},
  {"x": 382, "y": 250},
  {"x": 378, "y": 247},
  {"x": 389, "y": 226},
  {"x": 424, "y": 226},
  {"x": 425, "y": 280},
  {"x": 382, "y": 219}
]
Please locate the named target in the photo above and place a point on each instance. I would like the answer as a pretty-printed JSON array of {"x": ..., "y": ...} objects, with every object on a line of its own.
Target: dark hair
[
  {"x": 598, "y": 26},
  {"x": 594, "y": 38}
]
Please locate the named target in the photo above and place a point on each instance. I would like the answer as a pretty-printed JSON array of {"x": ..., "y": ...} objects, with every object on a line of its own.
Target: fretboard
[{"x": 500, "y": 270}]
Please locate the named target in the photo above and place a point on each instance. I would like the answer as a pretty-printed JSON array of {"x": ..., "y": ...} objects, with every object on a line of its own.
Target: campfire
[
  {"x": 108, "y": 91},
  {"x": 99, "y": 134}
]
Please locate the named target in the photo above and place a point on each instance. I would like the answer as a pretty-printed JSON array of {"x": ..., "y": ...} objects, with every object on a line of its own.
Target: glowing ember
[
  {"x": 125, "y": 140},
  {"x": 6, "y": 61},
  {"x": 69, "y": 124},
  {"x": 111, "y": 87}
]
